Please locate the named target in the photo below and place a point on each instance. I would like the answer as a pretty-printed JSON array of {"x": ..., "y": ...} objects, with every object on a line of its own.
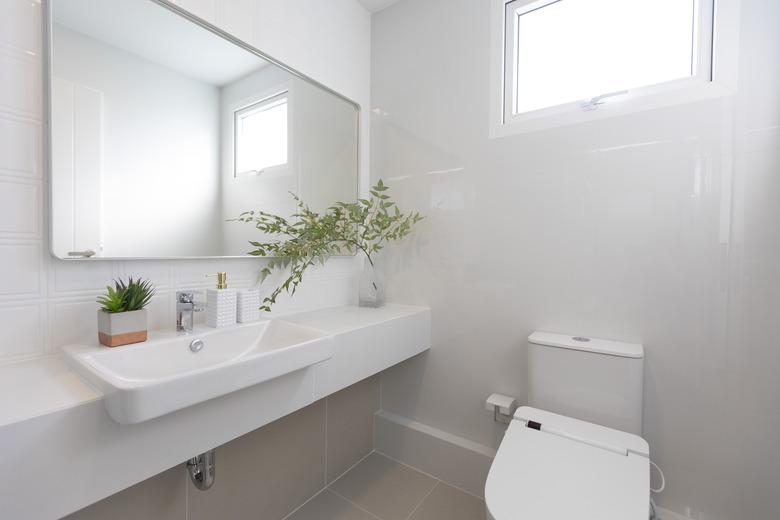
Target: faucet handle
[
  {"x": 185, "y": 297},
  {"x": 188, "y": 298}
]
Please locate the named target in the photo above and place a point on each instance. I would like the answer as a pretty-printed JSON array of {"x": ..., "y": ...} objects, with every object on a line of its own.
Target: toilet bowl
[
  {"x": 553, "y": 467},
  {"x": 575, "y": 452}
]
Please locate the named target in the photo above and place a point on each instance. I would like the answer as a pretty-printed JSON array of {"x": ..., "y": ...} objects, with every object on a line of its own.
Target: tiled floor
[{"x": 379, "y": 488}]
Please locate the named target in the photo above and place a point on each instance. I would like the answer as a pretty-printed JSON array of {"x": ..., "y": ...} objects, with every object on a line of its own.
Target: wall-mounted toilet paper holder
[{"x": 502, "y": 406}]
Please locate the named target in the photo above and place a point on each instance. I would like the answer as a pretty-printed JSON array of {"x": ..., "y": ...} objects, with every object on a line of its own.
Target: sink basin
[{"x": 164, "y": 374}]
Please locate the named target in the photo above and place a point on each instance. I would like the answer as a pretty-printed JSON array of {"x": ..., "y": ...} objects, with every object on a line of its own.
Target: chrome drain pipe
[{"x": 202, "y": 469}]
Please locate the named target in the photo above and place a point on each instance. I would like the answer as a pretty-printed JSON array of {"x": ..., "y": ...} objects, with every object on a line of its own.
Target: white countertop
[
  {"x": 45, "y": 385},
  {"x": 336, "y": 320},
  {"x": 40, "y": 386}
]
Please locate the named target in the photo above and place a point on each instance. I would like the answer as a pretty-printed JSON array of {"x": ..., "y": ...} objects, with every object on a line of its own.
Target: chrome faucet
[{"x": 185, "y": 310}]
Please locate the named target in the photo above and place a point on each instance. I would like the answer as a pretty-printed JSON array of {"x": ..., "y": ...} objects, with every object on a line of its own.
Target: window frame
[
  {"x": 249, "y": 105},
  {"x": 716, "y": 34}
]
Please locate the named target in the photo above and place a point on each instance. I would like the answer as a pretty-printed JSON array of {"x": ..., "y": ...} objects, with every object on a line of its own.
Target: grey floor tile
[
  {"x": 161, "y": 497},
  {"x": 351, "y": 425},
  {"x": 329, "y": 506},
  {"x": 384, "y": 487},
  {"x": 266, "y": 473},
  {"x": 447, "y": 503}
]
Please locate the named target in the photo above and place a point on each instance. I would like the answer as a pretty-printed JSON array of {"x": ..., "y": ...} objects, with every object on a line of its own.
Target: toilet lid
[{"x": 551, "y": 467}]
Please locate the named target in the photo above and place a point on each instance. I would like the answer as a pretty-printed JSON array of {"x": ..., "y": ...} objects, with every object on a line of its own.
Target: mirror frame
[{"x": 48, "y": 73}]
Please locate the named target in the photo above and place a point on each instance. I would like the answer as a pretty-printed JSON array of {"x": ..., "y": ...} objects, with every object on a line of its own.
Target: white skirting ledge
[{"x": 452, "y": 459}]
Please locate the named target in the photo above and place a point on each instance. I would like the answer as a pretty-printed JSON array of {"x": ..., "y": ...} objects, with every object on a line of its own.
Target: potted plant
[
  {"x": 122, "y": 318},
  {"x": 346, "y": 227}
]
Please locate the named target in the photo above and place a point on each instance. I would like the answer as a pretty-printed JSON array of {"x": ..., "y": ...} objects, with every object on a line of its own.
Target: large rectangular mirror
[{"x": 163, "y": 128}]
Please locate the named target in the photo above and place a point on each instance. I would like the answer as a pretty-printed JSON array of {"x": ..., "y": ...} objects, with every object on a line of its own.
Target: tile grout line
[
  {"x": 186, "y": 494},
  {"x": 431, "y": 476},
  {"x": 325, "y": 480},
  {"x": 373, "y": 417},
  {"x": 356, "y": 506},
  {"x": 416, "y": 507},
  {"x": 326, "y": 487},
  {"x": 315, "y": 495},
  {"x": 364, "y": 457},
  {"x": 423, "y": 499}
]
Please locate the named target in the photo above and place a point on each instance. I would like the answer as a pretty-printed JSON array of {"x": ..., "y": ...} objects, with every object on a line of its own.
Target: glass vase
[{"x": 371, "y": 285}]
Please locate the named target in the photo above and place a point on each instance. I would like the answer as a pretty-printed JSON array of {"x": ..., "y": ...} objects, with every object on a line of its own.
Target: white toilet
[{"x": 552, "y": 464}]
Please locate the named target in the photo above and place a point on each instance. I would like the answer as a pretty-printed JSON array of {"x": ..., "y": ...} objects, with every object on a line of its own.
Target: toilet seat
[{"x": 552, "y": 467}]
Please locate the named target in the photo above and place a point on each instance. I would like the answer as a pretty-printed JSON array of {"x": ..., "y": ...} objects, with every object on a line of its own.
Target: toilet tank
[{"x": 592, "y": 379}]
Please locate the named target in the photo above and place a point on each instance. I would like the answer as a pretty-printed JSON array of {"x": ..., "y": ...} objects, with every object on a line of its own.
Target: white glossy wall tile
[
  {"x": 21, "y": 147},
  {"x": 23, "y": 329},
  {"x": 19, "y": 203},
  {"x": 20, "y": 91},
  {"x": 658, "y": 227},
  {"x": 46, "y": 303},
  {"x": 22, "y": 265},
  {"x": 20, "y": 27}
]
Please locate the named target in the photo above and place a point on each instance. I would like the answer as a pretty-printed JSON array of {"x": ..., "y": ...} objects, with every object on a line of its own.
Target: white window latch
[{"x": 594, "y": 102}]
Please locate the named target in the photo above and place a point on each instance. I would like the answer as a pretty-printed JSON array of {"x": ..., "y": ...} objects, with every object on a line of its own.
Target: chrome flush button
[{"x": 196, "y": 345}]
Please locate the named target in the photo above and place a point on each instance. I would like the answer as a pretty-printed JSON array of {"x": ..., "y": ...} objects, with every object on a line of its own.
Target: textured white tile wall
[
  {"x": 659, "y": 227},
  {"x": 46, "y": 303}
]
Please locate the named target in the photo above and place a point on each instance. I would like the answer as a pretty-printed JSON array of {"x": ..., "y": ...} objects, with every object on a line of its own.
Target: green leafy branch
[
  {"x": 309, "y": 237},
  {"x": 132, "y": 295}
]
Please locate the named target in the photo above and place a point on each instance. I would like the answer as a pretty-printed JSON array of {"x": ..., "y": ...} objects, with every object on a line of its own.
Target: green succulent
[
  {"x": 309, "y": 237},
  {"x": 132, "y": 295}
]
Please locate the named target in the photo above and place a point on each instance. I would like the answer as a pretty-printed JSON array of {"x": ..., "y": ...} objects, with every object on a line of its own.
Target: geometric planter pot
[{"x": 121, "y": 328}]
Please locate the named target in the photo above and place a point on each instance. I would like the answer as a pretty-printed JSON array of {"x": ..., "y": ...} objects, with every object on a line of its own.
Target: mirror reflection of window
[
  {"x": 152, "y": 115},
  {"x": 261, "y": 136}
]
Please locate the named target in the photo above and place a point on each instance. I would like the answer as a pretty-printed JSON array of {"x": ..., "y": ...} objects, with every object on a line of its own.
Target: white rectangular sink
[{"x": 162, "y": 375}]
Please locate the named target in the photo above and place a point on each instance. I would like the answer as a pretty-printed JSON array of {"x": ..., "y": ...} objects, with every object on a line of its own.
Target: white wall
[
  {"x": 269, "y": 192},
  {"x": 45, "y": 303},
  {"x": 152, "y": 146},
  {"x": 326, "y": 161},
  {"x": 321, "y": 168},
  {"x": 658, "y": 227}
]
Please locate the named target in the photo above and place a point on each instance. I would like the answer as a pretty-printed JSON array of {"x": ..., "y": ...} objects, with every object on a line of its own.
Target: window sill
[
  {"x": 639, "y": 100},
  {"x": 271, "y": 172}
]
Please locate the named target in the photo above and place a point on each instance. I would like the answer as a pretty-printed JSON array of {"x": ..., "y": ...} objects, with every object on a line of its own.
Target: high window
[
  {"x": 584, "y": 53},
  {"x": 261, "y": 139}
]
